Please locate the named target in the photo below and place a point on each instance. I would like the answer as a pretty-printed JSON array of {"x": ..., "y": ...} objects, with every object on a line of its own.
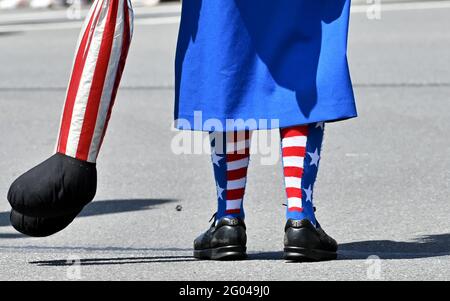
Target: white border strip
[
  {"x": 176, "y": 19},
  {"x": 402, "y": 6}
]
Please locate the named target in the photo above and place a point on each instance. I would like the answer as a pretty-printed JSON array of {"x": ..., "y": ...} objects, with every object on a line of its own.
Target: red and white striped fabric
[
  {"x": 293, "y": 143},
  {"x": 97, "y": 69},
  {"x": 237, "y": 160}
]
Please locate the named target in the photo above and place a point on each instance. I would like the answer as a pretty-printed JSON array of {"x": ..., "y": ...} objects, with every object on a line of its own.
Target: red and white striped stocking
[
  {"x": 97, "y": 69},
  {"x": 230, "y": 157},
  {"x": 301, "y": 150}
]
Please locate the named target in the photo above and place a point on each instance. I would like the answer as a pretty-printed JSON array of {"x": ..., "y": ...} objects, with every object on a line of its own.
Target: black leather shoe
[
  {"x": 225, "y": 240},
  {"x": 304, "y": 242},
  {"x": 48, "y": 197}
]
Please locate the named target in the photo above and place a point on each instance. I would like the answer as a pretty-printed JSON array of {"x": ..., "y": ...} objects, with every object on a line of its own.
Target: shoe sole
[
  {"x": 222, "y": 253},
  {"x": 304, "y": 255}
]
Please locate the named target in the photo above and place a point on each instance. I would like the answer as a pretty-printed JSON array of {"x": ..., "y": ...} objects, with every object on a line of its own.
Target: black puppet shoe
[
  {"x": 305, "y": 242},
  {"x": 48, "y": 197},
  {"x": 40, "y": 226},
  {"x": 224, "y": 240}
]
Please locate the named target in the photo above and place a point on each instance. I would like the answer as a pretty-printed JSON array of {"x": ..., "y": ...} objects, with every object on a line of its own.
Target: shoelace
[{"x": 213, "y": 217}]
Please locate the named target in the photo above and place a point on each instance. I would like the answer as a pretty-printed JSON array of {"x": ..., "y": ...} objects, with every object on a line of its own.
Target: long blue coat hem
[{"x": 342, "y": 111}]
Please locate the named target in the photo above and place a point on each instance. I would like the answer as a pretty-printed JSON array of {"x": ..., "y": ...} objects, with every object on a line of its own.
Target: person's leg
[
  {"x": 47, "y": 198},
  {"x": 230, "y": 154},
  {"x": 304, "y": 238},
  {"x": 301, "y": 149},
  {"x": 226, "y": 238}
]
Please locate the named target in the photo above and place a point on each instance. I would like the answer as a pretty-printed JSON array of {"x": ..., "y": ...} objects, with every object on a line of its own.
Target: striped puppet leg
[
  {"x": 47, "y": 198},
  {"x": 99, "y": 63}
]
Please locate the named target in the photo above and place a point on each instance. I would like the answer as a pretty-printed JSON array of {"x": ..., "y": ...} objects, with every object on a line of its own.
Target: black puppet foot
[
  {"x": 48, "y": 197},
  {"x": 39, "y": 226}
]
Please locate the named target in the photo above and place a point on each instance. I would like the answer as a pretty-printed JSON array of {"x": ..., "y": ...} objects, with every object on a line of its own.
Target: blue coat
[{"x": 271, "y": 63}]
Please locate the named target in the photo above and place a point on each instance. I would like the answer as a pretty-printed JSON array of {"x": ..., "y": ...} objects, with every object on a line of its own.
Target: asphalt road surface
[{"x": 383, "y": 188}]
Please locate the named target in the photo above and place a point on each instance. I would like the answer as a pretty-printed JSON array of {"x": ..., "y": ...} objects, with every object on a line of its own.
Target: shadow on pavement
[
  {"x": 4, "y": 219},
  {"x": 115, "y": 260},
  {"x": 9, "y": 33},
  {"x": 117, "y": 206},
  {"x": 422, "y": 247},
  {"x": 12, "y": 235},
  {"x": 99, "y": 208},
  {"x": 276, "y": 255},
  {"x": 145, "y": 259}
]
